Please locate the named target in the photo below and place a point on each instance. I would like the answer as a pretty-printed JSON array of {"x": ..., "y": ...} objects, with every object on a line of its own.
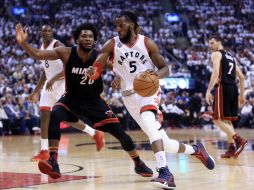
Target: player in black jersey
[
  {"x": 225, "y": 104},
  {"x": 82, "y": 97}
]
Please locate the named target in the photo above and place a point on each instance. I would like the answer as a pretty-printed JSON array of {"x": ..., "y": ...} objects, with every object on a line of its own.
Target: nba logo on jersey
[
  {"x": 109, "y": 113},
  {"x": 119, "y": 45}
]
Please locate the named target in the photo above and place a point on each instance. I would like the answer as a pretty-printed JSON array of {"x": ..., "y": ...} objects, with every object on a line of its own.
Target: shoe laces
[{"x": 163, "y": 172}]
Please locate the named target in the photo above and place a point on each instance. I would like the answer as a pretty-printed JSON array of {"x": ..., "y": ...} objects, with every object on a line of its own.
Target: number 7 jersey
[
  {"x": 227, "y": 73},
  {"x": 128, "y": 61}
]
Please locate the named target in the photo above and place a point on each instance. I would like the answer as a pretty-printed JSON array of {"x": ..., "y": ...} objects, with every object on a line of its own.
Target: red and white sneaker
[
  {"x": 42, "y": 155},
  {"x": 240, "y": 144},
  {"x": 99, "y": 140}
]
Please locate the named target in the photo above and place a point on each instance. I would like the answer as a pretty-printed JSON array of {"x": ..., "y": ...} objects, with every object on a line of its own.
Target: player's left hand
[
  {"x": 209, "y": 98},
  {"x": 49, "y": 85},
  {"x": 241, "y": 100}
]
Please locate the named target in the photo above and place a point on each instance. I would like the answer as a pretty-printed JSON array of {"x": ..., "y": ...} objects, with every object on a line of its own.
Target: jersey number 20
[{"x": 84, "y": 80}]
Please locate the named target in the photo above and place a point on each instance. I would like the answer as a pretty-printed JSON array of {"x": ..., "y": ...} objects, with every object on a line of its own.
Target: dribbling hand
[{"x": 21, "y": 35}]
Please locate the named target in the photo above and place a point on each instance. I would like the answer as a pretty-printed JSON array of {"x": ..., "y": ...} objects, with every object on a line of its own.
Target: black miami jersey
[{"x": 78, "y": 84}]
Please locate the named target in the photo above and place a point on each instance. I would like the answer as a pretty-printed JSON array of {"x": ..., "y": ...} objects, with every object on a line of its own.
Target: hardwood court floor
[{"x": 111, "y": 169}]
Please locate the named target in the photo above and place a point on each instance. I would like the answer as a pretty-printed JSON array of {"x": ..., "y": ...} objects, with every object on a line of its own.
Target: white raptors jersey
[
  {"x": 51, "y": 67},
  {"x": 129, "y": 61}
]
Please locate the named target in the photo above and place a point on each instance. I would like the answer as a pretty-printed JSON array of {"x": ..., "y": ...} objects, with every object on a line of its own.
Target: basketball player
[
  {"x": 53, "y": 77},
  {"x": 82, "y": 97},
  {"x": 133, "y": 53},
  {"x": 223, "y": 78}
]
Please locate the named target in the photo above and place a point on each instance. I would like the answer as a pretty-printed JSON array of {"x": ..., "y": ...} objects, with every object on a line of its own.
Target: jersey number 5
[
  {"x": 133, "y": 66},
  {"x": 84, "y": 79}
]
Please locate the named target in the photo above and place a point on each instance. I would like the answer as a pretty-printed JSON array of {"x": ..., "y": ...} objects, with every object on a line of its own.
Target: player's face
[
  {"x": 86, "y": 40},
  {"x": 46, "y": 33},
  {"x": 214, "y": 45},
  {"x": 123, "y": 27}
]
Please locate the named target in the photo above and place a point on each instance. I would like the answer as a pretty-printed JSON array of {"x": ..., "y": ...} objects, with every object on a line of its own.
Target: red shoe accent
[
  {"x": 99, "y": 140},
  {"x": 46, "y": 168},
  {"x": 240, "y": 144},
  {"x": 42, "y": 155}
]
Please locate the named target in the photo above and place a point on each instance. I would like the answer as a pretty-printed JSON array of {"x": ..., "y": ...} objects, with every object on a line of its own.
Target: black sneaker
[
  {"x": 165, "y": 180},
  {"x": 50, "y": 167},
  {"x": 142, "y": 169}
]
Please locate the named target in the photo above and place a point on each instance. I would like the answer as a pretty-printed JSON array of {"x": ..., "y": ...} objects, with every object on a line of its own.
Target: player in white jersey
[
  {"x": 52, "y": 84},
  {"x": 133, "y": 53}
]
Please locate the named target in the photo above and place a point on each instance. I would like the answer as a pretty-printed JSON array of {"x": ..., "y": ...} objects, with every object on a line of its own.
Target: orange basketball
[{"x": 146, "y": 84}]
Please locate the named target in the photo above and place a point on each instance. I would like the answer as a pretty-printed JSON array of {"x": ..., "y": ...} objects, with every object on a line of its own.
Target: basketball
[{"x": 146, "y": 84}]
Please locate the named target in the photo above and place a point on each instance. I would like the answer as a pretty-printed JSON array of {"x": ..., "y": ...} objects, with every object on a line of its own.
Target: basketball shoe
[
  {"x": 99, "y": 140},
  {"x": 165, "y": 180},
  {"x": 203, "y": 156},
  {"x": 240, "y": 144},
  {"x": 230, "y": 152},
  {"x": 142, "y": 169},
  {"x": 50, "y": 167},
  {"x": 42, "y": 155}
]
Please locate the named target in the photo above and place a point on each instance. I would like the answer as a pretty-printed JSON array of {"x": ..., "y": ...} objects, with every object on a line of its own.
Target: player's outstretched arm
[
  {"x": 21, "y": 36},
  {"x": 95, "y": 71},
  {"x": 157, "y": 58}
]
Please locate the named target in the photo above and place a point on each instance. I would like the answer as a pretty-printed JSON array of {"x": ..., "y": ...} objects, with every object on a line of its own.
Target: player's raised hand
[{"x": 21, "y": 34}]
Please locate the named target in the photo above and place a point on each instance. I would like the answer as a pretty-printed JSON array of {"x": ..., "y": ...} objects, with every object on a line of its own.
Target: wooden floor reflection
[{"x": 111, "y": 169}]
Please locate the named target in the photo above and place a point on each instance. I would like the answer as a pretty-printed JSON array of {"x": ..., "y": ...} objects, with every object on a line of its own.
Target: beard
[
  {"x": 86, "y": 49},
  {"x": 126, "y": 38}
]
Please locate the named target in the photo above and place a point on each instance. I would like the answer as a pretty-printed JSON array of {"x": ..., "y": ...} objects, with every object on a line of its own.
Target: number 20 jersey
[{"x": 131, "y": 60}]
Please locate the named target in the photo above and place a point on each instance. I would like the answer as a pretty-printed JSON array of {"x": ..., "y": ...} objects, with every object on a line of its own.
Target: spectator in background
[
  {"x": 4, "y": 121},
  {"x": 16, "y": 118}
]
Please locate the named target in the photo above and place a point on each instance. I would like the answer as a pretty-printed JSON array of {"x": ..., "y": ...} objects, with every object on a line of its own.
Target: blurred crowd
[{"x": 181, "y": 108}]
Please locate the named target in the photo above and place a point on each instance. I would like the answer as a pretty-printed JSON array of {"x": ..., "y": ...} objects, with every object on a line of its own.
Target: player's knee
[
  {"x": 117, "y": 131},
  {"x": 61, "y": 114},
  {"x": 149, "y": 124}
]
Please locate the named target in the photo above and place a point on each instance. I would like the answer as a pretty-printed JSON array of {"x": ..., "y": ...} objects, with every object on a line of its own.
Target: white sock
[
  {"x": 89, "y": 130},
  {"x": 44, "y": 144},
  {"x": 189, "y": 149},
  {"x": 161, "y": 159}
]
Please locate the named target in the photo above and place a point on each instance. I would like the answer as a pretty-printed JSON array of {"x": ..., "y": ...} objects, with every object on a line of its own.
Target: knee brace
[
  {"x": 170, "y": 145},
  {"x": 149, "y": 125}
]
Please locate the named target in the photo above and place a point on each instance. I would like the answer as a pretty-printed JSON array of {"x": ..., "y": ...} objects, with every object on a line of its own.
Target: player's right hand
[
  {"x": 21, "y": 35},
  {"x": 32, "y": 97},
  {"x": 116, "y": 82}
]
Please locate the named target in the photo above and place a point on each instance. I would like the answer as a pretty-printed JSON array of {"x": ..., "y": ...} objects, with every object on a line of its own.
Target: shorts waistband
[{"x": 128, "y": 92}]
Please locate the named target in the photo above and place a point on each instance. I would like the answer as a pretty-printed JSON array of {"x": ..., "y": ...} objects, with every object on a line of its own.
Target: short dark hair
[
  {"x": 216, "y": 37},
  {"x": 86, "y": 26}
]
